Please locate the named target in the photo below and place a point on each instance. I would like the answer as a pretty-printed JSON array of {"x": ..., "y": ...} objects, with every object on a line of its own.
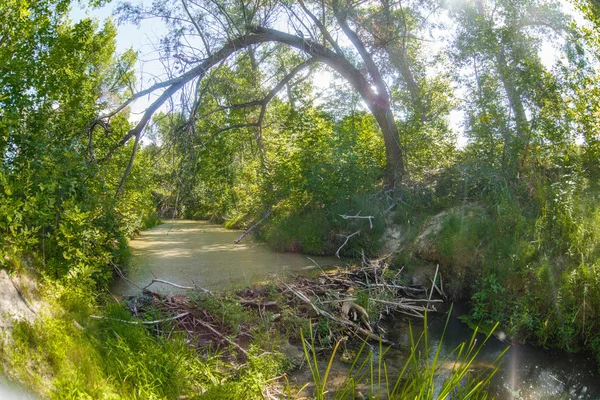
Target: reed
[{"x": 424, "y": 375}]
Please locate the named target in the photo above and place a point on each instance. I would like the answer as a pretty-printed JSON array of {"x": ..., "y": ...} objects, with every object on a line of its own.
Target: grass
[{"x": 64, "y": 354}]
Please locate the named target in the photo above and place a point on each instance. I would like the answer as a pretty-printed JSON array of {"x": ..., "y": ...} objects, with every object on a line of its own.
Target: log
[{"x": 156, "y": 280}]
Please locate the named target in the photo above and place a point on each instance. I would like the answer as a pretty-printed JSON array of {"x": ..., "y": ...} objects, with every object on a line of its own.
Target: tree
[
  {"x": 205, "y": 34},
  {"x": 516, "y": 102}
]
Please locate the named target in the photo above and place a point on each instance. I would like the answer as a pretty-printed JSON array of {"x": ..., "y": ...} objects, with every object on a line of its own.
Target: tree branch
[
  {"x": 364, "y": 54},
  {"x": 321, "y": 27}
]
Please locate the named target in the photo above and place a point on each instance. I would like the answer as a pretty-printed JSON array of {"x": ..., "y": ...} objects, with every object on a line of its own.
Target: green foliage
[
  {"x": 56, "y": 202},
  {"x": 109, "y": 359},
  {"x": 529, "y": 255}
]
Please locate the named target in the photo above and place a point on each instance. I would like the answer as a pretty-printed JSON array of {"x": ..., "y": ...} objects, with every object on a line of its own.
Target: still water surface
[{"x": 200, "y": 253}]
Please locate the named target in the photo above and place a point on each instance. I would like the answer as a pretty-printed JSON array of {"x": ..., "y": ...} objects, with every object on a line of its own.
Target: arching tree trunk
[
  {"x": 394, "y": 161},
  {"x": 378, "y": 102}
]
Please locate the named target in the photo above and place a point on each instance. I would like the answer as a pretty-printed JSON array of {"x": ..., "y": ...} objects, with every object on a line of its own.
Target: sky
[{"x": 143, "y": 39}]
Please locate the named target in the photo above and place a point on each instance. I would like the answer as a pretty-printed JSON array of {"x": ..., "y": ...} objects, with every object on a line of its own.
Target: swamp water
[{"x": 200, "y": 253}]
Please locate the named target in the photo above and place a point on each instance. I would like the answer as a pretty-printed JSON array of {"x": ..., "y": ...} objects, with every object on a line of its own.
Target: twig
[
  {"x": 141, "y": 322},
  {"x": 216, "y": 332},
  {"x": 318, "y": 266},
  {"x": 155, "y": 280},
  {"x": 247, "y": 231},
  {"x": 406, "y": 288},
  {"x": 433, "y": 283},
  {"x": 442, "y": 287},
  {"x": 337, "y": 253},
  {"x": 358, "y": 216},
  {"x": 125, "y": 279}
]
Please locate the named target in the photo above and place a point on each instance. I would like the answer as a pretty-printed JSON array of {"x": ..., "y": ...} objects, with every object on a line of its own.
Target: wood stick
[
  {"x": 358, "y": 216},
  {"x": 407, "y": 288},
  {"x": 247, "y": 231},
  {"x": 434, "y": 278},
  {"x": 156, "y": 280},
  {"x": 141, "y": 322},
  {"x": 216, "y": 332},
  {"x": 337, "y": 253}
]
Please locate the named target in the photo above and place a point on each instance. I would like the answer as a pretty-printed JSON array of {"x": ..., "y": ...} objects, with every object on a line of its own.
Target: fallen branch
[
  {"x": 406, "y": 288},
  {"x": 219, "y": 334},
  {"x": 358, "y": 216},
  {"x": 155, "y": 280},
  {"x": 258, "y": 304},
  {"x": 433, "y": 282},
  {"x": 247, "y": 231},
  {"x": 141, "y": 322},
  {"x": 168, "y": 283},
  {"x": 337, "y": 253},
  {"x": 125, "y": 279}
]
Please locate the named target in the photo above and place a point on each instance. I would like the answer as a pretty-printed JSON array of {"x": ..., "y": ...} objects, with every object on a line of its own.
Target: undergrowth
[
  {"x": 525, "y": 253},
  {"x": 65, "y": 354}
]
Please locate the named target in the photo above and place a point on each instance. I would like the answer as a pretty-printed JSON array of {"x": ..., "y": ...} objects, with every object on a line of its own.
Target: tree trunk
[
  {"x": 378, "y": 103},
  {"x": 394, "y": 163}
]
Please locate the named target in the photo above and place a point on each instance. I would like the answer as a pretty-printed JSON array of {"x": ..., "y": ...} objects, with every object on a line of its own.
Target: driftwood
[
  {"x": 400, "y": 287},
  {"x": 433, "y": 282},
  {"x": 155, "y": 280},
  {"x": 249, "y": 230},
  {"x": 358, "y": 216}
]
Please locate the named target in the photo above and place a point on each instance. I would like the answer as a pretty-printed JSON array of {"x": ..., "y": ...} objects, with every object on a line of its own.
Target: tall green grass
[
  {"x": 425, "y": 374},
  {"x": 65, "y": 354}
]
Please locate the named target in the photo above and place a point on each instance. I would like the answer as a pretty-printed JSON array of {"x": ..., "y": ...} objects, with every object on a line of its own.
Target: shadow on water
[{"x": 526, "y": 372}]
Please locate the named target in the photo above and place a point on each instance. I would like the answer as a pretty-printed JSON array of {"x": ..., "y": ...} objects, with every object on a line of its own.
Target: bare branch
[
  {"x": 337, "y": 253},
  {"x": 155, "y": 280},
  {"x": 321, "y": 27},
  {"x": 142, "y": 322},
  {"x": 358, "y": 216},
  {"x": 200, "y": 33}
]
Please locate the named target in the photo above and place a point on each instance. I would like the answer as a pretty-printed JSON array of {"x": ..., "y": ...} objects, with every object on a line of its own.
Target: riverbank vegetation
[{"x": 241, "y": 132}]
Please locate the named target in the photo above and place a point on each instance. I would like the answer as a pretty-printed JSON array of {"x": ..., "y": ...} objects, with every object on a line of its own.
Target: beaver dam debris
[{"x": 350, "y": 301}]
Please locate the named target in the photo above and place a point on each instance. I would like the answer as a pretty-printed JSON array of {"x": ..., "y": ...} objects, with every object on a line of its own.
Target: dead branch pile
[{"x": 352, "y": 301}]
